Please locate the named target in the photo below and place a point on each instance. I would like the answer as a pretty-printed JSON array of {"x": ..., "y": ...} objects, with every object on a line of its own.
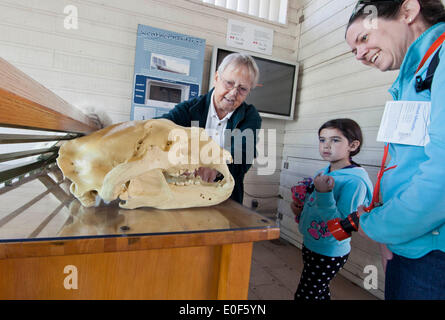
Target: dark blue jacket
[{"x": 245, "y": 117}]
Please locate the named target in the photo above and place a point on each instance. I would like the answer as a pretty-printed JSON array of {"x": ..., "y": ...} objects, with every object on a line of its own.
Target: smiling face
[
  {"x": 383, "y": 47},
  {"x": 335, "y": 147},
  {"x": 225, "y": 99}
]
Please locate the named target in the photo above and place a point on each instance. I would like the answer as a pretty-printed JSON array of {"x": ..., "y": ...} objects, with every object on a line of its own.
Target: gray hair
[{"x": 242, "y": 59}]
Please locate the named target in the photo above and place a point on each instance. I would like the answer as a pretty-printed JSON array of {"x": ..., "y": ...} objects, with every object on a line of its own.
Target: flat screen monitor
[{"x": 274, "y": 96}]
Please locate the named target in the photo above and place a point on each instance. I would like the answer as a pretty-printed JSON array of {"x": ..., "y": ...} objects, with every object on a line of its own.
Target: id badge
[{"x": 405, "y": 122}]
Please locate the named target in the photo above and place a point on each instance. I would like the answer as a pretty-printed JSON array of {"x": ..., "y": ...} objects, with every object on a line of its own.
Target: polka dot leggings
[{"x": 317, "y": 272}]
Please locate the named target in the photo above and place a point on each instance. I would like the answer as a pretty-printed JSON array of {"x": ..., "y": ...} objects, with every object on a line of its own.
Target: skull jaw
[
  {"x": 151, "y": 189},
  {"x": 176, "y": 197}
]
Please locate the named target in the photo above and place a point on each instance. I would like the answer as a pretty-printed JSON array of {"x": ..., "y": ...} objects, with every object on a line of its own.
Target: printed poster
[{"x": 167, "y": 70}]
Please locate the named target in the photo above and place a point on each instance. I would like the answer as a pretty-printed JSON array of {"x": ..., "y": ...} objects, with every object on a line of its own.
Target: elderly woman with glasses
[
  {"x": 407, "y": 36},
  {"x": 227, "y": 118}
]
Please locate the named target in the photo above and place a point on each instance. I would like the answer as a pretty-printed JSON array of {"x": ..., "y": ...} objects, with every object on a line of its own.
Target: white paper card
[
  {"x": 405, "y": 122},
  {"x": 248, "y": 36},
  {"x": 144, "y": 113}
]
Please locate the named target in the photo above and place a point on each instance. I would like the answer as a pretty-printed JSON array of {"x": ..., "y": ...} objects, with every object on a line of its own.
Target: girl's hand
[
  {"x": 324, "y": 183},
  {"x": 206, "y": 174},
  {"x": 384, "y": 251},
  {"x": 386, "y": 255},
  {"x": 360, "y": 211},
  {"x": 296, "y": 210}
]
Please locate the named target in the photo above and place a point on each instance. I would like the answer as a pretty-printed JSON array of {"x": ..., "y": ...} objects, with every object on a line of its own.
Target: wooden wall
[{"x": 93, "y": 67}]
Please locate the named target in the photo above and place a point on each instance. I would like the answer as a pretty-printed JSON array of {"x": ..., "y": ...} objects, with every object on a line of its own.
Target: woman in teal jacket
[{"x": 411, "y": 220}]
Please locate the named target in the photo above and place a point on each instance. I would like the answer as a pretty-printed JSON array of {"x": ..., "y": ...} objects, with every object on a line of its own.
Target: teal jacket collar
[{"x": 414, "y": 55}]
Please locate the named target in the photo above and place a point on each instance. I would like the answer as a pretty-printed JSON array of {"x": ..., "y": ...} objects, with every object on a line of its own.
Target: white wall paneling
[{"x": 92, "y": 67}]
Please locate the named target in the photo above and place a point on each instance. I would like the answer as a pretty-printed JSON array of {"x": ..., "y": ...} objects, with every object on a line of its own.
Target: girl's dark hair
[
  {"x": 349, "y": 128},
  {"x": 432, "y": 11}
]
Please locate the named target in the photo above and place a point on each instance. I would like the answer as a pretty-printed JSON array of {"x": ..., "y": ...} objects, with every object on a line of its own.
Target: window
[{"x": 273, "y": 10}]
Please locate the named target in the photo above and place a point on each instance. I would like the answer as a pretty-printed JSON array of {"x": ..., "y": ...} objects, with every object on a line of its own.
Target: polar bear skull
[{"x": 147, "y": 163}]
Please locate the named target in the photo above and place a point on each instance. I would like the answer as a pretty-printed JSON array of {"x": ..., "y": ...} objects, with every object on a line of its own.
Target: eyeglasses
[
  {"x": 229, "y": 85},
  {"x": 363, "y": 3}
]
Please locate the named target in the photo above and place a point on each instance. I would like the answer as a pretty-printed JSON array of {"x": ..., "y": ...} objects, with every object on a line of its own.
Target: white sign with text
[{"x": 250, "y": 37}]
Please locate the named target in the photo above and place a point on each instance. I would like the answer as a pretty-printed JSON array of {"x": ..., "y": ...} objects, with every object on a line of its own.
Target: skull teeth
[{"x": 186, "y": 177}]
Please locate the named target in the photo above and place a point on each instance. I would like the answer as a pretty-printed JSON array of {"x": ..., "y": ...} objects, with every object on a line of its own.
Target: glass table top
[{"x": 42, "y": 208}]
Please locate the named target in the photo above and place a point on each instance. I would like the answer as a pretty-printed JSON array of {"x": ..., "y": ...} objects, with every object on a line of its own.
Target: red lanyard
[
  {"x": 375, "y": 202},
  {"x": 430, "y": 51},
  {"x": 376, "y": 195}
]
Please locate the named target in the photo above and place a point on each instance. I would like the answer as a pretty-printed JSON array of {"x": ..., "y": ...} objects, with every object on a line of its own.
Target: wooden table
[{"x": 51, "y": 247}]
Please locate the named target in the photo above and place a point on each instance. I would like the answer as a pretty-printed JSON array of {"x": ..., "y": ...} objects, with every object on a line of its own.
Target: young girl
[{"x": 337, "y": 191}]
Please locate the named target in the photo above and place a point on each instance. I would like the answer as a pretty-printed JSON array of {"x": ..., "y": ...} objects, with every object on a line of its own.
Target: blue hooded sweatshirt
[
  {"x": 411, "y": 221},
  {"x": 352, "y": 189}
]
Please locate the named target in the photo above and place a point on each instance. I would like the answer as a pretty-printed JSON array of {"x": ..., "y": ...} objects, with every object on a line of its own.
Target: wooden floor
[{"x": 276, "y": 269}]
